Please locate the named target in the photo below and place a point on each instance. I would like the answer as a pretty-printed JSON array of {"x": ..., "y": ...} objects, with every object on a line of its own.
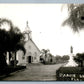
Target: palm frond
[
  {"x": 3, "y": 20},
  {"x": 75, "y": 15},
  {"x": 20, "y": 46}
]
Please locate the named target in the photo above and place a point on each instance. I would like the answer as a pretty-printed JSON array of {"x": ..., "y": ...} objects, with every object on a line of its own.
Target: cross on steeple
[{"x": 28, "y": 31}]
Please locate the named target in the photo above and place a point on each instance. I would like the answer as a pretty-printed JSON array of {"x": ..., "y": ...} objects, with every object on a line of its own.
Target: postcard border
[{"x": 40, "y": 1}]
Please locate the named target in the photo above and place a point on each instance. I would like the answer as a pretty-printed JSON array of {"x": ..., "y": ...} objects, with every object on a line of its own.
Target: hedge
[
  {"x": 70, "y": 74},
  {"x": 10, "y": 69}
]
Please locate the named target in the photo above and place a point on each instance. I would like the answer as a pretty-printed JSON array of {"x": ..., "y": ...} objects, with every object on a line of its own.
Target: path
[{"x": 36, "y": 72}]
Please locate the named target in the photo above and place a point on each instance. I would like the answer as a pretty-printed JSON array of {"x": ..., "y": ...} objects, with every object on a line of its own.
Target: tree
[
  {"x": 65, "y": 58},
  {"x": 58, "y": 58},
  {"x": 45, "y": 54},
  {"x": 10, "y": 41},
  {"x": 79, "y": 58},
  {"x": 16, "y": 42},
  {"x": 76, "y": 17},
  {"x": 76, "y": 21}
]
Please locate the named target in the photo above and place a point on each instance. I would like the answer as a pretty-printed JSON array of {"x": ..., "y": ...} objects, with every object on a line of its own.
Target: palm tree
[
  {"x": 76, "y": 21},
  {"x": 10, "y": 40},
  {"x": 45, "y": 52},
  {"x": 16, "y": 42},
  {"x": 75, "y": 17},
  {"x": 79, "y": 59}
]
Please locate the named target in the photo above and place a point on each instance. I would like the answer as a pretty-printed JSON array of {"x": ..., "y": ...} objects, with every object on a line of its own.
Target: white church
[{"x": 32, "y": 51}]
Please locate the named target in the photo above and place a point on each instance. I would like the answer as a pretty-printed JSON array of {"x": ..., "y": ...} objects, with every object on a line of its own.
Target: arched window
[{"x": 35, "y": 55}]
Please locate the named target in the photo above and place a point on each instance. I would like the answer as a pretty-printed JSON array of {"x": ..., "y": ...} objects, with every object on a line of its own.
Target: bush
[
  {"x": 13, "y": 62},
  {"x": 10, "y": 69},
  {"x": 69, "y": 69},
  {"x": 70, "y": 73}
]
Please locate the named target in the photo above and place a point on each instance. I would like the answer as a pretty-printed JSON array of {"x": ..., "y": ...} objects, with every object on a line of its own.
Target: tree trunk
[
  {"x": 15, "y": 59},
  {"x": 3, "y": 63},
  {"x": 45, "y": 58}
]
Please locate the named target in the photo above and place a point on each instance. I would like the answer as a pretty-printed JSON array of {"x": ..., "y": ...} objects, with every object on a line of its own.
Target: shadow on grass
[{"x": 10, "y": 69}]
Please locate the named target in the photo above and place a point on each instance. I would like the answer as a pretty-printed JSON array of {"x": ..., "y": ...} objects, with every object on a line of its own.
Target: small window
[
  {"x": 34, "y": 57},
  {"x": 29, "y": 47},
  {"x": 29, "y": 53},
  {"x": 35, "y": 53}
]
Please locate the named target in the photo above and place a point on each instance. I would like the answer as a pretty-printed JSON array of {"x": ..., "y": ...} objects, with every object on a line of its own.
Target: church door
[{"x": 29, "y": 59}]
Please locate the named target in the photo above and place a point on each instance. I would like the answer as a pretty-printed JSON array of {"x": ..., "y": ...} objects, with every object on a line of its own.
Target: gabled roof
[{"x": 34, "y": 44}]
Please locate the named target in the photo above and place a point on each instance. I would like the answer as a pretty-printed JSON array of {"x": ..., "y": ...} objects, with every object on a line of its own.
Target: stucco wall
[{"x": 31, "y": 50}]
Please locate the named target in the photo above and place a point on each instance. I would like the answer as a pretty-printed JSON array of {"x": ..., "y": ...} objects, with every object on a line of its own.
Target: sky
[{"x": 45, "y": 22}]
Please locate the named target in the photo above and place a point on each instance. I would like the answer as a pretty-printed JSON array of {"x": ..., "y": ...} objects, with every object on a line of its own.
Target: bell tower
[{"x": 27, "y": 32}]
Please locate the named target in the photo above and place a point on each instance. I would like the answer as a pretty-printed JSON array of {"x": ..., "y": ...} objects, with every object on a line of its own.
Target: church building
[{"x": 32, "y": 51}]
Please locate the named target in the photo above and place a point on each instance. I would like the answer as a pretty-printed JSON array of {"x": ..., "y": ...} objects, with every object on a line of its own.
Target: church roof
[{"x": 34, "y": 44}]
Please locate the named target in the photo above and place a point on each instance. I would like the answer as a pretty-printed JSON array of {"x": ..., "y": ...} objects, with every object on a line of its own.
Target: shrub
[
  {"x": 13, "y": 62},
  {"x": 10, "y": 69},
  {"x": 69, "y": 73}
]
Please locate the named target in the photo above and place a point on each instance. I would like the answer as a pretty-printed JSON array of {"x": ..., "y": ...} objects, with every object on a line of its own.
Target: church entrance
[{"x": 29, "y": 59}]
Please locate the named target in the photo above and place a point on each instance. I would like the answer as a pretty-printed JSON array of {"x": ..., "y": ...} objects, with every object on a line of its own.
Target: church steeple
[
  {"x": 27, "y": 29},
  {"x": 27, "y": 32}
]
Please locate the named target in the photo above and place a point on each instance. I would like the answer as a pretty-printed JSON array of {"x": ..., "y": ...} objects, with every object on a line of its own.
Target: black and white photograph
[{"x": 41, "y": 42}]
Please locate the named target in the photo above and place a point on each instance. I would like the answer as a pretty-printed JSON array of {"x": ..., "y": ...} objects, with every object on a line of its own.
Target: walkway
[{"x": 36, "y": 72}]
